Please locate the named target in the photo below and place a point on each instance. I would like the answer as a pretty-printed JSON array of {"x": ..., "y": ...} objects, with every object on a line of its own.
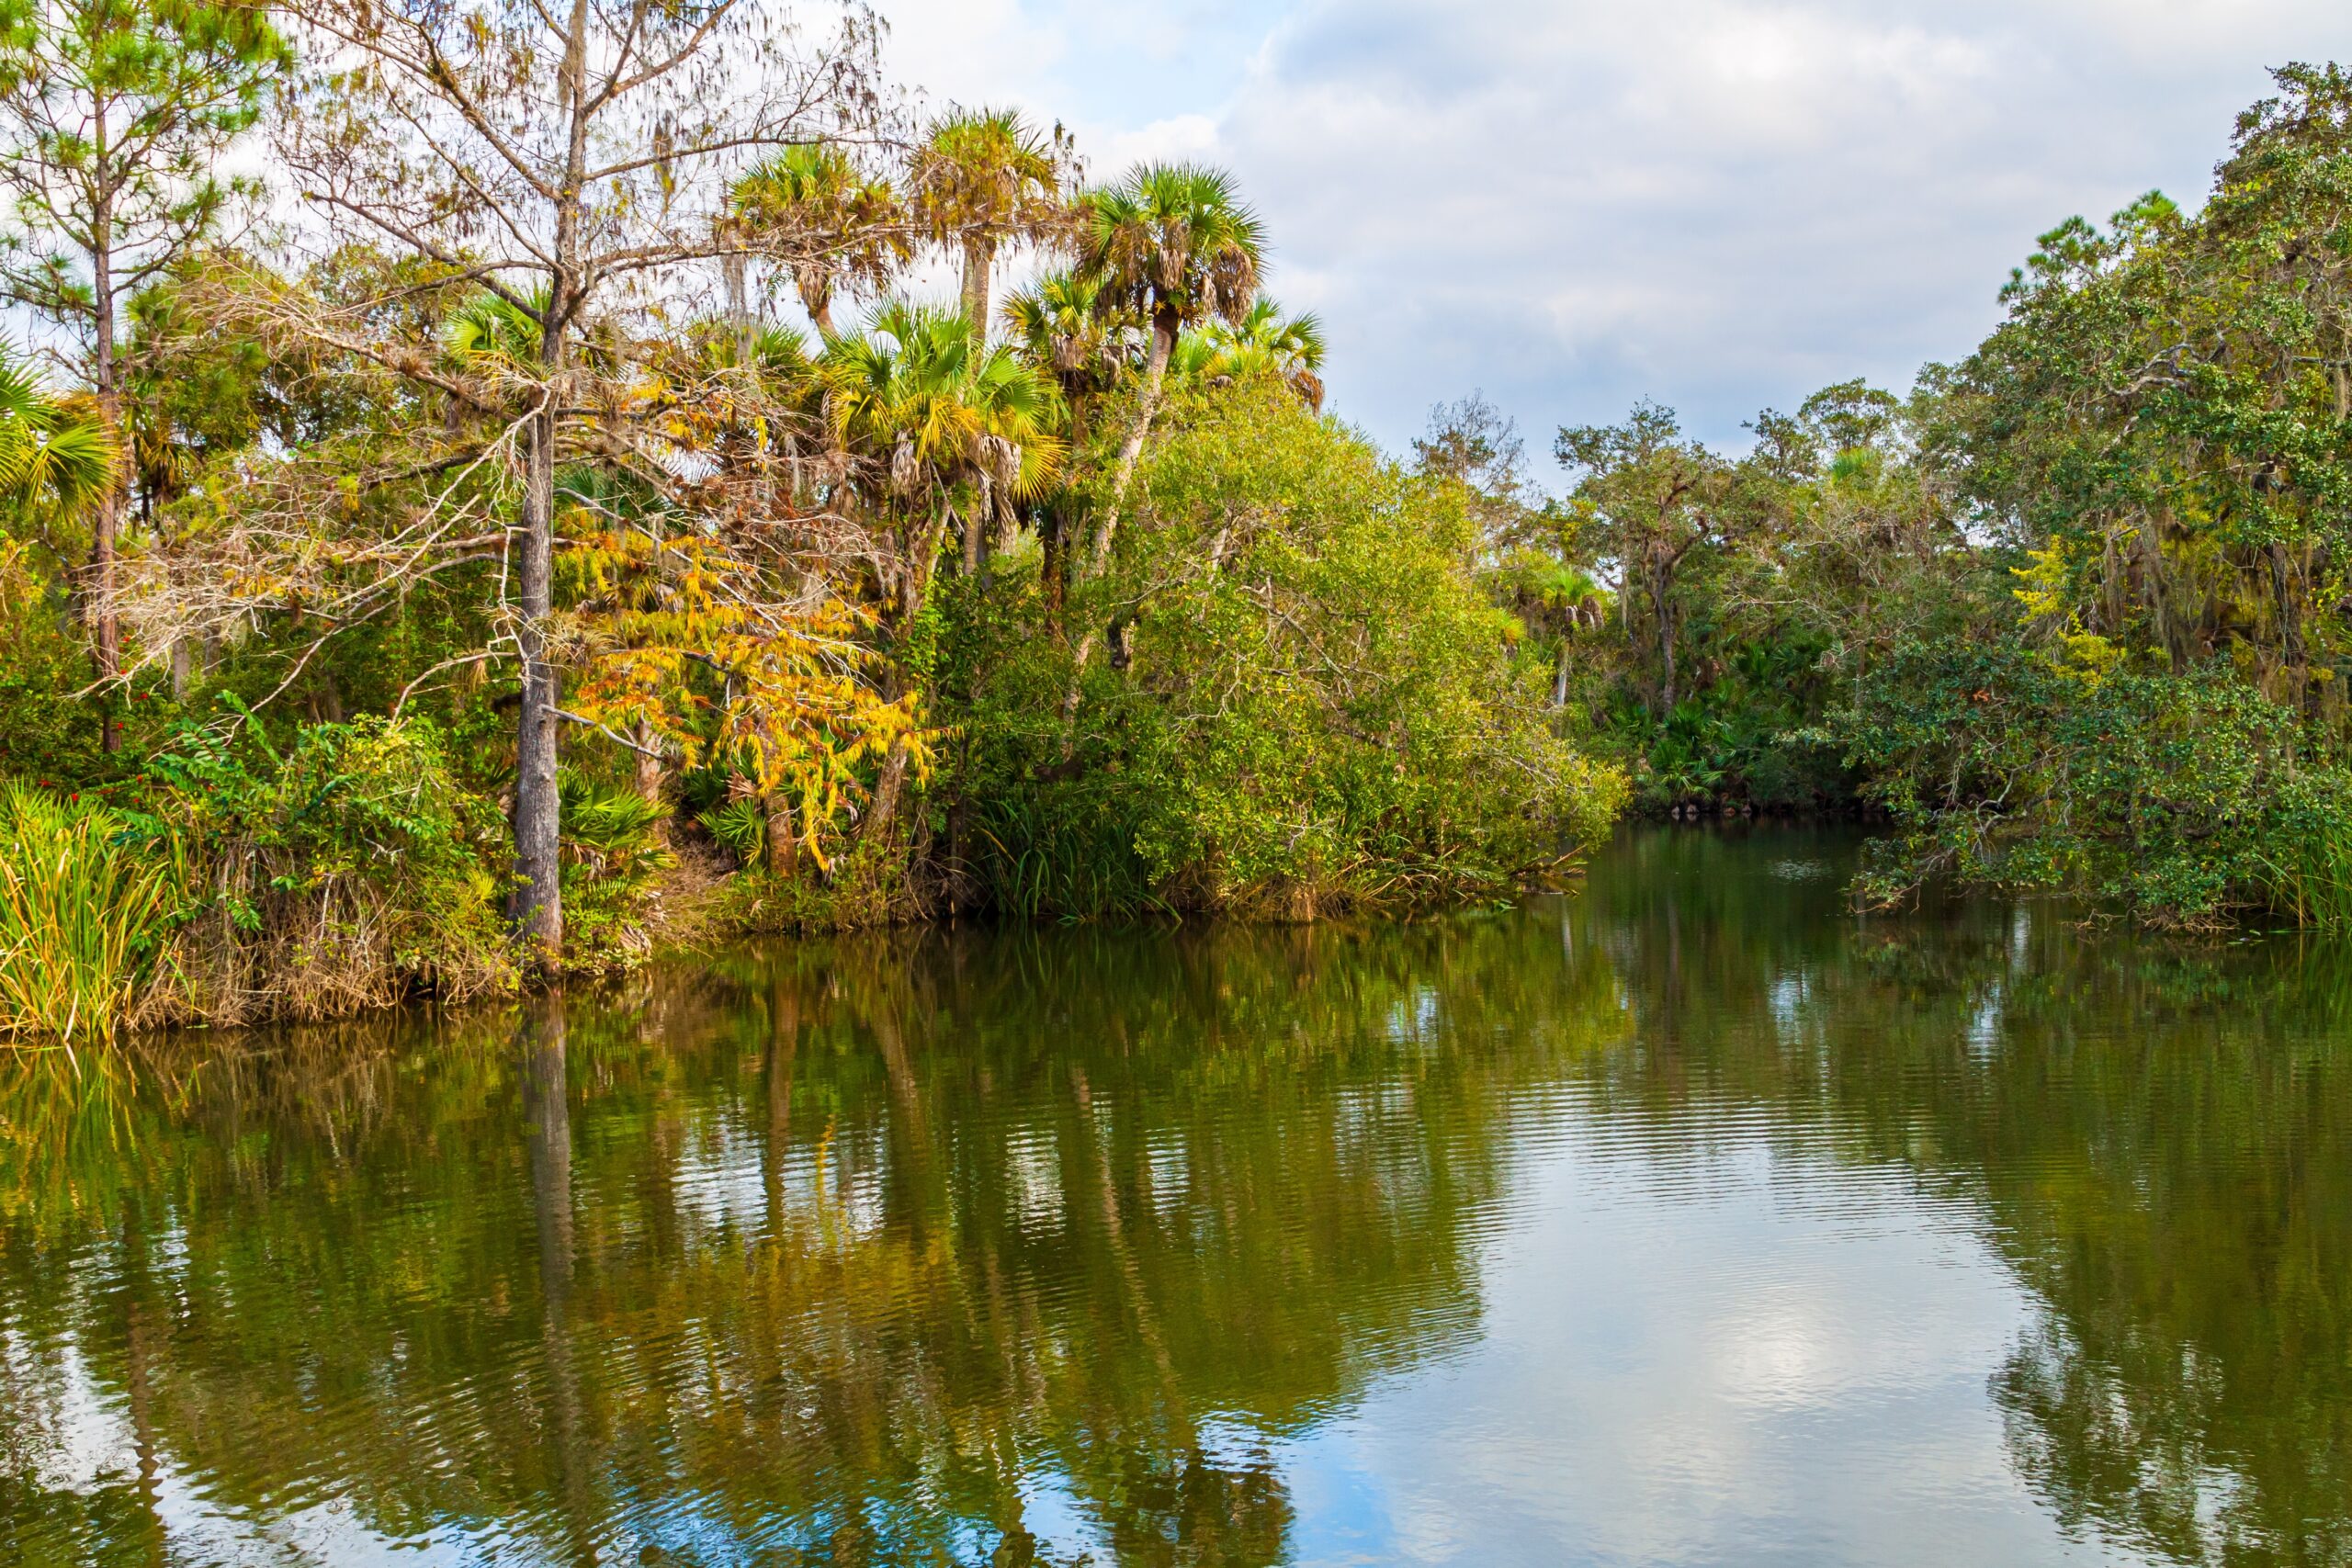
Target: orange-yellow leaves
[{"x": 695, "y": 643}]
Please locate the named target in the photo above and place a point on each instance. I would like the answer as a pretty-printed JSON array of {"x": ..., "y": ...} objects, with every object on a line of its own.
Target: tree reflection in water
[
  {"x": 999, "y": 1248},
  {"x": 2157, "y": 1137}
]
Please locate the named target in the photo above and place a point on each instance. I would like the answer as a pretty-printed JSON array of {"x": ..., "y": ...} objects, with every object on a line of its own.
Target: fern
[
  {"x": 739, "y": 825},
  {"x": 613, "y": 833}
]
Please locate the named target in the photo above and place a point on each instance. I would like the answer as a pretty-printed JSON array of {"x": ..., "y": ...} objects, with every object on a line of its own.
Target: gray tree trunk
[
  {"x": 979, "y": 261},
  {"x": 538, "y": 908},
  {"x": 105, "y": 632},
  {"x": 1163, "y": 344}
]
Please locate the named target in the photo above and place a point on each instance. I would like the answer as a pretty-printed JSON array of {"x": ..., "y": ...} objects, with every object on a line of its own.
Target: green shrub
[
  {"x": 2187, "y": 800},
  {"x": 612, "y": 851},
  {"x": 1313, "y": 705},
  {"x": 739, "y": 826},
  {"x": 342, "y": 874},
  {"x": 2307, "y": 859}
]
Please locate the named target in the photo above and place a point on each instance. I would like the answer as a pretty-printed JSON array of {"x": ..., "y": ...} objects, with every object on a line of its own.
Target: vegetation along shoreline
[{"x": 449, "y": 550}]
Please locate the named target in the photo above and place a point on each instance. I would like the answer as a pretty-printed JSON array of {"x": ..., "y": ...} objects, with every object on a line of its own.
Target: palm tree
[
  {"x": 773, "y": 356},
  {"x": 826, "y": 220},
  {"x": 490, "y": 334},
  {"x": 937, "y": 416},
  {"x": 1172, "y": 244},
  {"x": 60, "y": 466},
  {"x": 1198, "y": 359},
  {"x": 1059, "y": 326},
  {"x": 1265, "y": 343},
  {"x": 1559, "y": 597},
  {"x": 750, "y": 398},
  {"x": 58, "y": 456},
  {"x": 492, "y": 338},
  {"x": 1262, "y": 346},
  {"x": 981, "y": 179}
]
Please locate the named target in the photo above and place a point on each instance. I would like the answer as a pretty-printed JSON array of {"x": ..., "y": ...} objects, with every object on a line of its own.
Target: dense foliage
[
  {"x": 2074, "y": 613},
  {"x": 1308, "y": 702},
  {"x": 573, "y": 531}
]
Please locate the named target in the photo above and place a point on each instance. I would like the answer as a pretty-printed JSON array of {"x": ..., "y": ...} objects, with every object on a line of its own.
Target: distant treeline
[{"x": 2073, "y": 612}]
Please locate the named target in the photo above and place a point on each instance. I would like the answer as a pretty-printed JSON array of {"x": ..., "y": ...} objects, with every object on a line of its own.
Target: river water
[{"x": 1688, "y": 1219}]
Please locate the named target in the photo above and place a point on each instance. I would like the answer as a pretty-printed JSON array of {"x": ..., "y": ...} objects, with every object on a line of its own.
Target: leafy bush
[
  {"x": 1312, "y": 703},
  {"x": 739, "y": 826},
  {"x": 2181, "y": 800},
  {"x": 1749, "y": 736},
  {"x": 2308, "y": 860},
  {"x": 342, "y": 874},
  {"x": 48, "y": 725},
  {"x": 612, "y": 851}
]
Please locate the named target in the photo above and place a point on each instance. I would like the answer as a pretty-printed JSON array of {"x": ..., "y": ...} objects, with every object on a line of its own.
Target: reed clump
[
  {"x": 234, "y": 882},
  {"x": 2309, "y": 864},
  {"x": 85, "y": 915}
]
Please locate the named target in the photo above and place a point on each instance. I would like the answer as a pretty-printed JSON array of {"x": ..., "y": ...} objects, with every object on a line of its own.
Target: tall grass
[
  {"x": 2310, "y": 883},
  {"x": 83, "y": 916},
  {"x": 1033, "y": 862},
  {"x": 2305, "y": 862}
]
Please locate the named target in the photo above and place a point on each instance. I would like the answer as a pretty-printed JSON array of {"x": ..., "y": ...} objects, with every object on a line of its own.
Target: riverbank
[
  {"x": 116, "y": 928},
  {"x": 229, "y": 860}
]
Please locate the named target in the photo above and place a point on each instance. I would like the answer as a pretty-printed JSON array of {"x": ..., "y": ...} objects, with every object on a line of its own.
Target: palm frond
[{"x": 59, "y": 455}]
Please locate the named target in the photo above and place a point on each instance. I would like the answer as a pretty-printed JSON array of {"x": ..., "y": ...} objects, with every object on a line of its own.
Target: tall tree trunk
[
  {"x": 1661, "y": 589},
  {"x": 537, "y": 906},
  {"x": 979, "y": 261},
  {"x": 975, "y": 530},
  {"x": 887, "y": 790},
  {"x": 2284, "y": 585},
  {"x": 734, "y": 270},
  {"x": 648, "y": 761},
  {"x": 922, "y": 566},
  {"x": 914, "y": 593},
  {"x": 106, "y": 631},
  {"x": 783, "y": 848},
  {"x": 1163, "y": 344},
  {"x": 1665, "y": 652},
  {"x": 959, "y": 879},
  {"x": 1061, "y": 527},
  {"x": 1050, "y": 569}
]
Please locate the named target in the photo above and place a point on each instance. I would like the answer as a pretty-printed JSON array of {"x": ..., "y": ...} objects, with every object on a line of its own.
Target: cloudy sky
[{"x": 1720, "y": 203}]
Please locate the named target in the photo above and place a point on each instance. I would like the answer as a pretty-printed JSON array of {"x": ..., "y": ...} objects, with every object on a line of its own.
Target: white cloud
[
  {"x": 1693, "y": 1348},
  {"x": 1718, "y": 203}
]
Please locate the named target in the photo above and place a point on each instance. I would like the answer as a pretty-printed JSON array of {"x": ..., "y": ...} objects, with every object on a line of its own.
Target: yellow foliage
[
  {"x": 2087, "y": 655},
  {"x": 2046, "y": 582},
  {"x": 670, "y": 616},
  {"x": 2045, "y": 593}
]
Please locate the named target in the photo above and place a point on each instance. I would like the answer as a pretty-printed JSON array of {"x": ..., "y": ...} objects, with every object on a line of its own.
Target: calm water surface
[{"x": 1689, "y": 1219}]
